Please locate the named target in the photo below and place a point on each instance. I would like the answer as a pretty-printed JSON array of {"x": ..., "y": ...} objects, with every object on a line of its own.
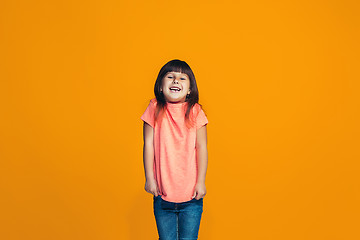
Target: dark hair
[{"x": 176, "y": 65}]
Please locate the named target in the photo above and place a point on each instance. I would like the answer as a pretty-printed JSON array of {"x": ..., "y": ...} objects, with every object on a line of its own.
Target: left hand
[{"x": 200, "y": 191}]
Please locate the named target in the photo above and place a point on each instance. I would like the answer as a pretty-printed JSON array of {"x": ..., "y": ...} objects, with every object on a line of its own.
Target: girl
[{"x": 175, "y": 152}]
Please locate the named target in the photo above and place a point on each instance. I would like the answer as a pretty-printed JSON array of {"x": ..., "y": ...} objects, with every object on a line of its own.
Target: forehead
[{"x": 177, "y": 73}]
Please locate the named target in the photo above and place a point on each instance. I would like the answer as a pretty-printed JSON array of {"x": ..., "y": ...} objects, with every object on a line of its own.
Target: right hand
[{"x": 151, "y": 187}]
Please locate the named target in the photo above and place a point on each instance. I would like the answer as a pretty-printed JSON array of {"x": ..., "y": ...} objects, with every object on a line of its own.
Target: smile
[{"x": 175, "y": 89}]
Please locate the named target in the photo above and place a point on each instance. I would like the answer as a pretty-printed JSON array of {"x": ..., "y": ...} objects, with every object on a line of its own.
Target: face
[{"x": 175, "y": 86}]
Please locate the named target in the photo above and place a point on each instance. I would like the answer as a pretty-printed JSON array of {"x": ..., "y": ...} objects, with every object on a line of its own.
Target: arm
[
  {"x": 148, "y": 159},
  {"x": 202, "y": 158}
]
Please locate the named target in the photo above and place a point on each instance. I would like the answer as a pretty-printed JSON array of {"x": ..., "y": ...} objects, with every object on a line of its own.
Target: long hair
[{"x": 176, "y": 65}]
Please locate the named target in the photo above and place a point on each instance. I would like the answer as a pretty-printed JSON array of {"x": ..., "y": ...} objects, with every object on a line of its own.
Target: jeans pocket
[
  {"x": 199, "y": 202},
  {"x": 194, "y": 199}
]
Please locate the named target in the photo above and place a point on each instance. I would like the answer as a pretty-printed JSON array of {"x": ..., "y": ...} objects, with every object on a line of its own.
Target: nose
[{"x": 175, "y": 80}]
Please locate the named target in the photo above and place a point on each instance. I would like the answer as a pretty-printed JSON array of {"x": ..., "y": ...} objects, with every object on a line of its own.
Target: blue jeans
[{"x": 178, "y": 221}]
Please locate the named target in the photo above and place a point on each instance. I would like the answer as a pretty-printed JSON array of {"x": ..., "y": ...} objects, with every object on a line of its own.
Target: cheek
[{"x": 165, "y": 84}]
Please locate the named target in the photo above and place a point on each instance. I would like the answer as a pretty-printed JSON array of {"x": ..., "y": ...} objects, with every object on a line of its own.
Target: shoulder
[
  {"x": 197, "y": 108},
  {"x": 153, "y": 101}
]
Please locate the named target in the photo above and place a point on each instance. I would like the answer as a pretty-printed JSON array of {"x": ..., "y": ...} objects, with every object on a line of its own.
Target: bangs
[{"x": 177, "y": 66}]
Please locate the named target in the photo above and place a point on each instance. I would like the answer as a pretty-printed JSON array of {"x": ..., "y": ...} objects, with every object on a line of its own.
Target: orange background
[{"x": 279, "y": 81}]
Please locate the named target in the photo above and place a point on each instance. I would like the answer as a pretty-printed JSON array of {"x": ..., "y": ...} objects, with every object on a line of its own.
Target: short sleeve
[
  {"x": 148, "y": 115},
  {"x": 201, "y": 119}
]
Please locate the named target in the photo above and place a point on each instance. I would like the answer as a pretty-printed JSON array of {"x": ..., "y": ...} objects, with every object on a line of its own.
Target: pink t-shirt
[{"x": 175, "y": 163}]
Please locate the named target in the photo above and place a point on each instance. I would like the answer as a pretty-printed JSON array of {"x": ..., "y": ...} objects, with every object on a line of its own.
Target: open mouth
[{"x": 175, "y": 89}]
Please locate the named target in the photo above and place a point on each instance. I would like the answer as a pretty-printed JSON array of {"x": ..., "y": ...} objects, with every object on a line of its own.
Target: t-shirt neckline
[{"x": 169, "y": 104}]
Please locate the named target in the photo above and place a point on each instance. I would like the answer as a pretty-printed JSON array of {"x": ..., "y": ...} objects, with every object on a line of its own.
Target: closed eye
[{"x": 180, "y": 78}]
